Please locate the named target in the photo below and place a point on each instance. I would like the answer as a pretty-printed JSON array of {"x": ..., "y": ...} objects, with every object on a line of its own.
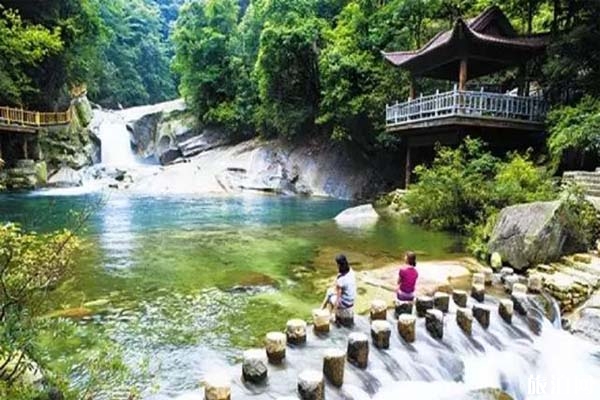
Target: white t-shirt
[{"x": 347, "y": 283}]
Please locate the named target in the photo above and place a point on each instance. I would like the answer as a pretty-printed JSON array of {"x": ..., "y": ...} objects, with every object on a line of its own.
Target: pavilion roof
[{"x": 488, "y": 42}]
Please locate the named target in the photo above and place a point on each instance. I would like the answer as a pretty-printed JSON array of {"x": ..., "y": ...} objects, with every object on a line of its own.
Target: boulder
[
  {"x": 169, "y": 155},
  {"x": 529, "y": 234},
  {"x": 496, "y": 260},
  {"x": 359, "y": 216},
  {"x": 65, "y": 177}
]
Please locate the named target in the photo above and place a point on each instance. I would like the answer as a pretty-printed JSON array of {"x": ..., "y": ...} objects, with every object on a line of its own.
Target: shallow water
[{"x": 185, "y": 283}]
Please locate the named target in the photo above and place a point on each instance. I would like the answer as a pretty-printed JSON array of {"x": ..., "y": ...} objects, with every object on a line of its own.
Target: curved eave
[{"x": 461, "y": 42}]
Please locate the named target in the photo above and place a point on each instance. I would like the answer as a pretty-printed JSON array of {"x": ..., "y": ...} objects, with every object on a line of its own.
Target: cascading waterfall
[
  {"x": 551, "y": 365},
  {"x": 116, "y": 147}
]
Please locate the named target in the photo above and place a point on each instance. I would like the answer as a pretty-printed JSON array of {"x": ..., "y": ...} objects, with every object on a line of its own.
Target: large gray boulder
[{"x": 529, "y": 234}]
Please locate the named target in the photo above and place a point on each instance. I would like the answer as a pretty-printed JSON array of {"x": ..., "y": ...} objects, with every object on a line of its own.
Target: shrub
[{"x": 467, "y": 185}]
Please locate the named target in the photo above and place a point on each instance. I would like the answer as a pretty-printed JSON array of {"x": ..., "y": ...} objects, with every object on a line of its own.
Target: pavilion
[{"x": 473, "y": 48}]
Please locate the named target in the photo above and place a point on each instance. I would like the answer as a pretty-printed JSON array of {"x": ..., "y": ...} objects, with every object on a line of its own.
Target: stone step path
[
  {"x": 589, "y": 180},
  {"x": 571, "y": 281},
  {"x": 434, "y": 310}
]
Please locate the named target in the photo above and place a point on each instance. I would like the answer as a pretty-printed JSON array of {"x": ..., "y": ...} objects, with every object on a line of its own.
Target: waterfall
[{"x": 116, "y": 143}]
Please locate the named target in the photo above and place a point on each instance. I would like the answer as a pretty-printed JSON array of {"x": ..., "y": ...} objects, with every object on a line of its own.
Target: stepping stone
[
  {"x": 380, "y": 333},
  {"x": 424, "y": 303},
  {"x": 434, "y": 322},
  {"x": 406, "y": 327},
  {"x": 334, "y": 362},
  {"x": 358, "y": 349},
  {"x": 464, "y": 319},
  {"x": 441, "y": 301}
]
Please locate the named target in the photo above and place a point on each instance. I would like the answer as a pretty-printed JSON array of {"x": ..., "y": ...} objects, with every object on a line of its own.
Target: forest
[{"x": 279, "y": 68}]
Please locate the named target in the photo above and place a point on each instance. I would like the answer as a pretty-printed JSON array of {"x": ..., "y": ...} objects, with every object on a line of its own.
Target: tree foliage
[
  {"x": 575, "y": 128},
  {"x": 22, "y": 46},
  {"x": 120, "y": 49},
  {"x": 30, "y": 265}
]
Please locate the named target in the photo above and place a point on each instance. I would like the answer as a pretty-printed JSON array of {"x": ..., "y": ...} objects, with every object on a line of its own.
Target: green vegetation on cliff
[{"x": 119, "y": 48}]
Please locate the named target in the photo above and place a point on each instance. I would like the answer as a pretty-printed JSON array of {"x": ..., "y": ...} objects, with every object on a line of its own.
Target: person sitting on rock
[
  {"x": 343, "y": 294},
  {"x": 407, "y": 278}
]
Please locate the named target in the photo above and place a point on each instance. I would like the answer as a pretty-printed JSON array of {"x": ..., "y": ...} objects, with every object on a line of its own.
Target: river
[{"x": 185, "y": 283}]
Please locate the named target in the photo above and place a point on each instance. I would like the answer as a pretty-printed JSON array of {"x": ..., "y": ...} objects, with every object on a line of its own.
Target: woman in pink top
[{"x": 407, "y": 278}]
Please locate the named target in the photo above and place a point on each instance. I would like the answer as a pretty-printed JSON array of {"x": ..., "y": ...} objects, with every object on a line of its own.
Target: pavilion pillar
[
  {"x": 462, "y": 74},
  {"x": 407, "y": 167},
  {"x": 25, "y": 150},
  {"x": 412, "y": 91}
]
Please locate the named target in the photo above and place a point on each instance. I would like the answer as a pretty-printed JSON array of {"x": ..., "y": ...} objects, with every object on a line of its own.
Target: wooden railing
[
  {"x": 16, "y": 116},
  {"x": 466, "y": 104}
]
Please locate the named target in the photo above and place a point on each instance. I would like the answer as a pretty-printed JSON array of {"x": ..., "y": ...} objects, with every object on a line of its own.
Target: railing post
[{"x": 37, "y": 118}]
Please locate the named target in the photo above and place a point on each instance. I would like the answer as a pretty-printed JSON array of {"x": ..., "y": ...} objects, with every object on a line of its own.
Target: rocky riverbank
[{"x": 172, "y": 156}]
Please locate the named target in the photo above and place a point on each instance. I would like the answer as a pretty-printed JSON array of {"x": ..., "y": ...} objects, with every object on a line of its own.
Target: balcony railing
[{"x": 470, "y": 104}]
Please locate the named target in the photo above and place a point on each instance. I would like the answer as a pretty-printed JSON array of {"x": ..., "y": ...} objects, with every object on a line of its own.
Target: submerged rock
[{"x": 488, "y": 394}]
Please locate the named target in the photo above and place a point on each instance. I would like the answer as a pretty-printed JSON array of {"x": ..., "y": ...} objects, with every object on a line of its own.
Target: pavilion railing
[
  {"x": 475, "y": 104},
  {"x": 18, "y": 116}
]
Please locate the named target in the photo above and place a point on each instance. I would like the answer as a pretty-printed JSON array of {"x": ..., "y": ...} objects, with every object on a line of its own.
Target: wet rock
[
  {"x": 478, "y": 292},
  {"x": 441, "y": 301},
  {"x": 459, "y": 297},
  {"x": 406, "y": 327},
  {"x": 254, "y": 366},
  {"x": 358, "y": 349},
  {"x": 378, "y": 310},
  {"x": 344, "y": 317},
  {"x": 488, "y": 275},
  {"x": 275, "y": 344},
  {"x": 423, "y": 304},
  {"x": 520, "y": 303},
  {"x": 334, "y": 362},
  {"x": 311, "y": 385},
  {"x": 321, "y": 319},
  {"x": 169, "y": 155},
  {"x": 296, "y": 331},
  {"x": 217, "y": 386},
  {"x": 478, "y": 279},
  {"x": 403, "y": 307},
  {"x": 380, "y": 333},
  {"x": 588, "y": 324},
  {"x": 464, "y": 319},
  {"x": 434, "y": 323},
  {"x": 482, "y": 313},
  {"x": 506, "y": 309},
  {"x": 535, "y": 283},
  {"x": 488, "y": 394}
]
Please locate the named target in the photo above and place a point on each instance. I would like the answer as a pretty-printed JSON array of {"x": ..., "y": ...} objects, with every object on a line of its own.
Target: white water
[
  {"x": 553, "y": 365},
  {"x": 115, "y": 139}
]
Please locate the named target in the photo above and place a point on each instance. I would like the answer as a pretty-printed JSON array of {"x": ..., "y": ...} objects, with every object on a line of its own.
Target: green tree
[
  {"x": 22, "y": 46},
  {"x": 203, "y": 39},
  {"x": 287, "y": 73},
  {"x": 575, "y": 129}
]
